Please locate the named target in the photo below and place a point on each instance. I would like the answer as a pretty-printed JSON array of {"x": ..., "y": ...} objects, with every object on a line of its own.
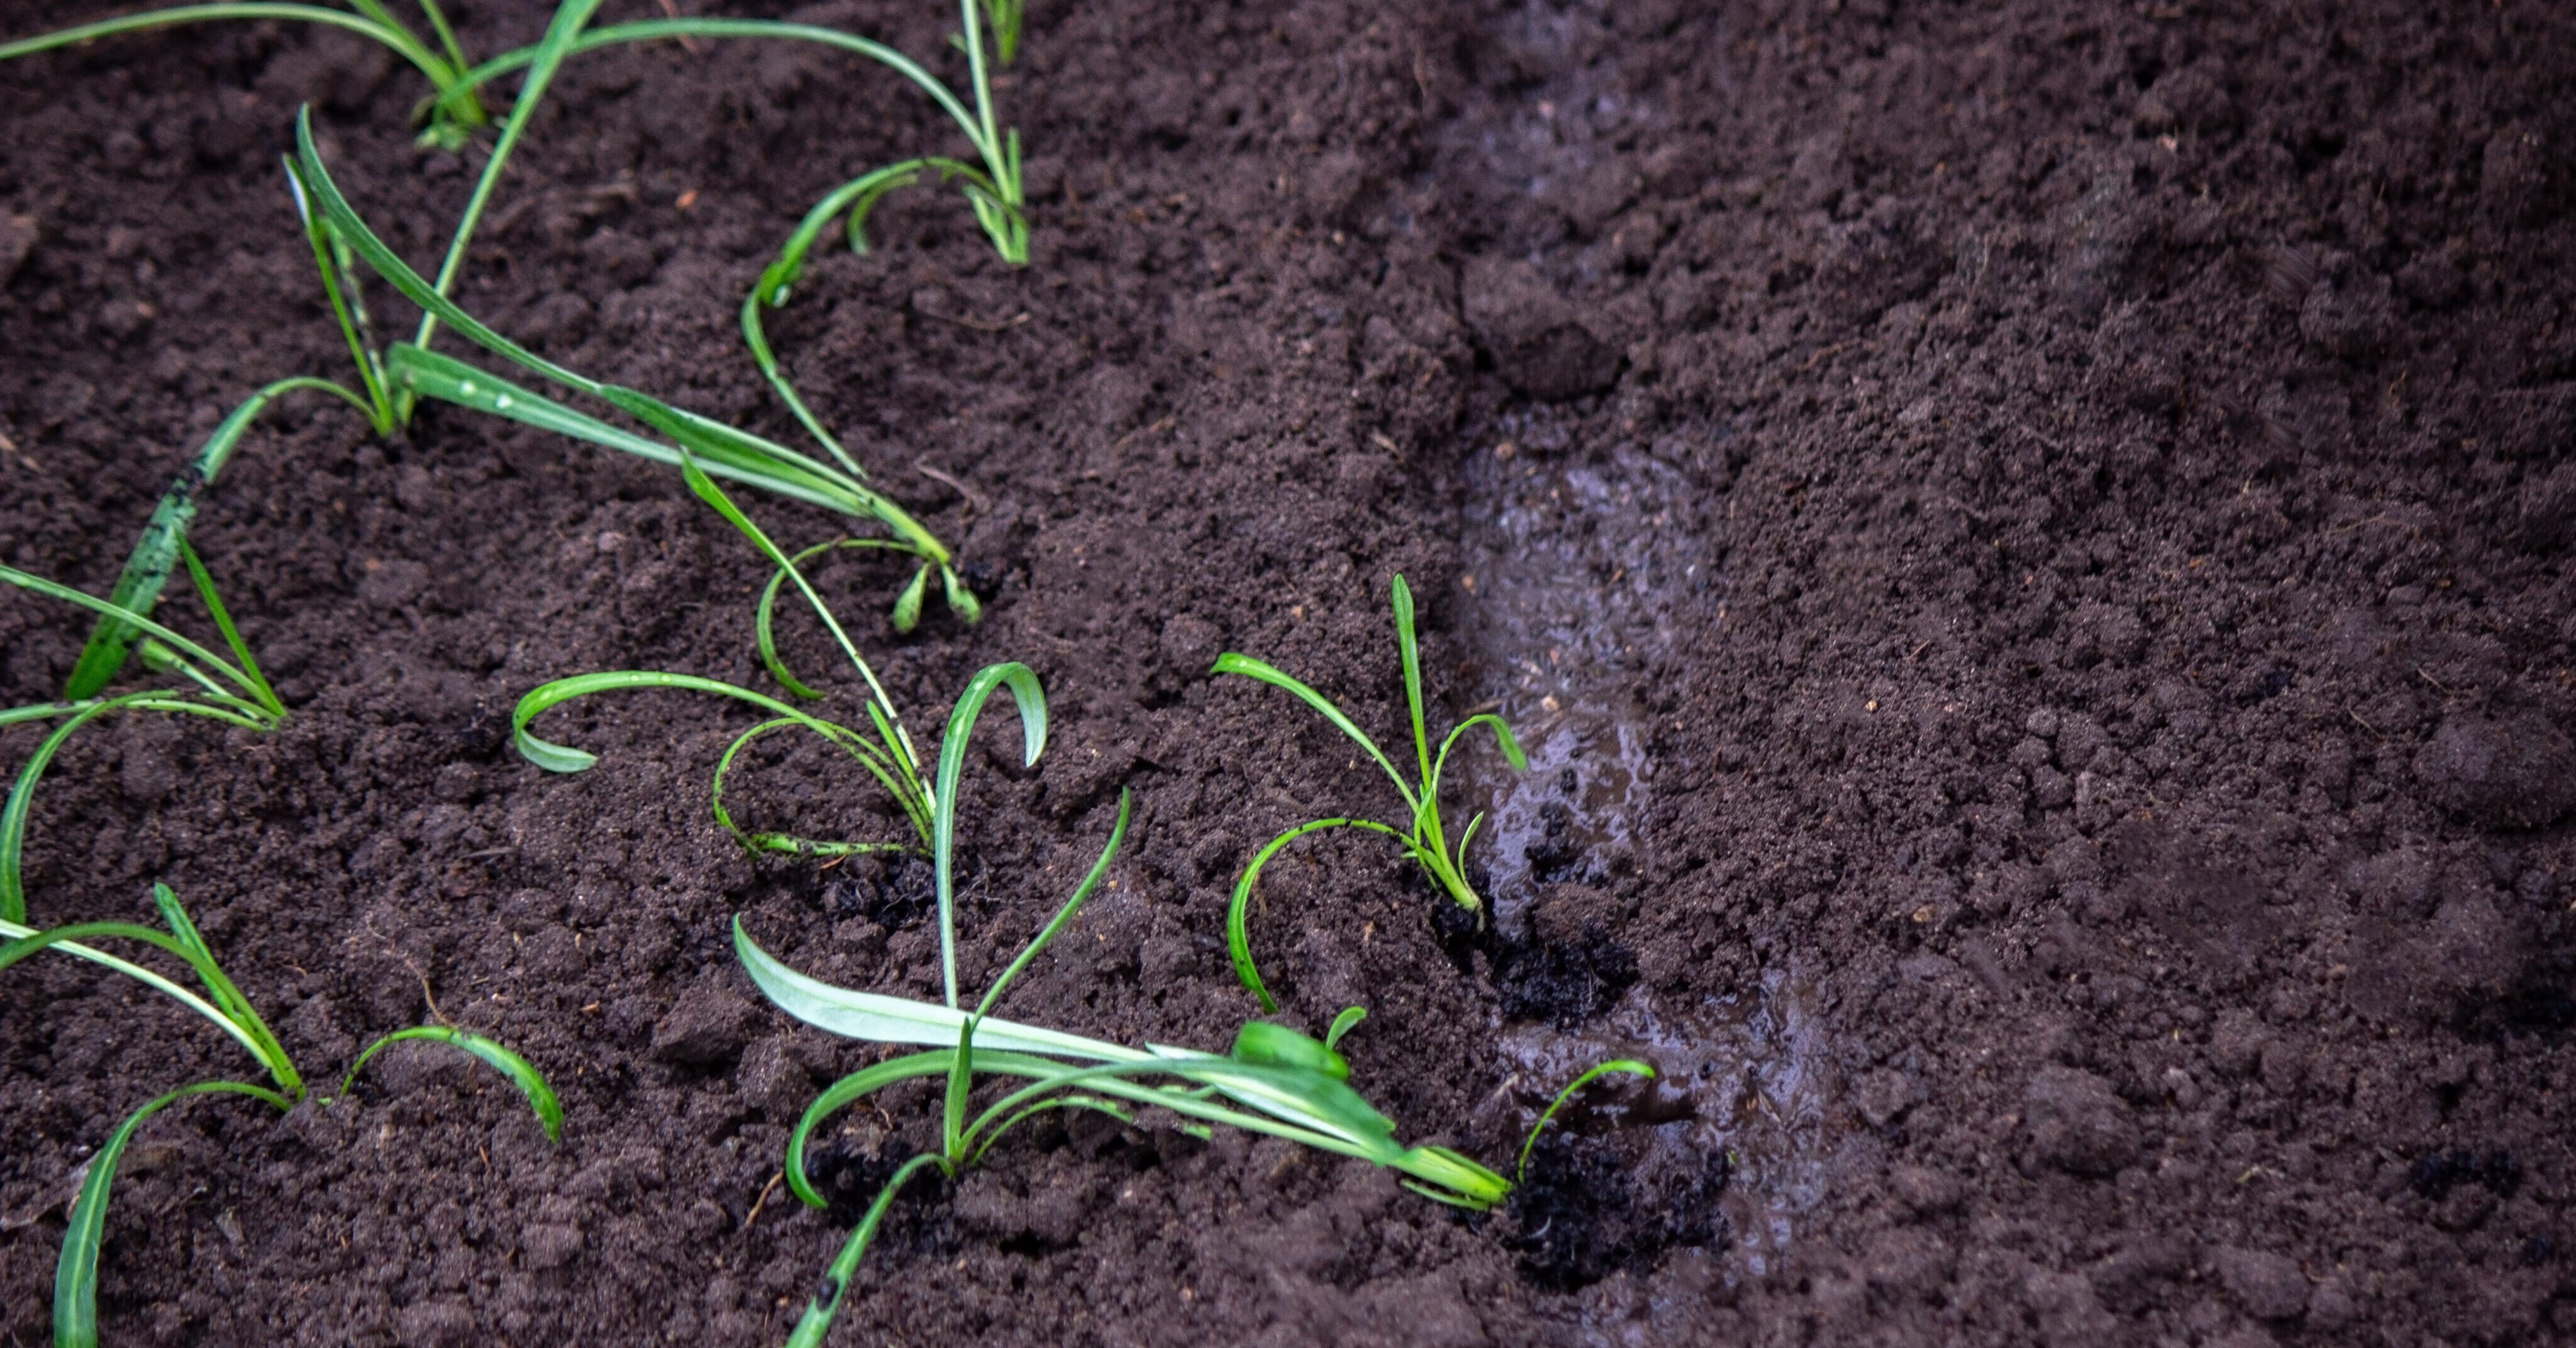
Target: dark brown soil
[{"x": 2030, "y": 541}]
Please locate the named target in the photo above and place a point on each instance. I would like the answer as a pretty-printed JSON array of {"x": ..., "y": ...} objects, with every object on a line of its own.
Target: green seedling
[
  {"x": 1624, "y": 1066},
  {"x": 223, "y": 1005},
  {"x": 165, "y": 534},
  {"x": 992, "y": 186},
  {"x": 449, "y": 115},
  {"x": 721, "y": 450},
  {"x": 1275, "y": 1081},
  {"x": 231, "y": 691},
  {"x": 385, "y": 405},
  {"x": 886, "y": 752},
  {"x": 1422, "y": 839}
]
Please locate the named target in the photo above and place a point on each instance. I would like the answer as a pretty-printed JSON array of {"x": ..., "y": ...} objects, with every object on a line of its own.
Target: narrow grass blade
[
  {"x": 227, "y": 995},
  {"x": 1238, "y": 912},
  {"x": 1411, "y": 652},
  {"x": 856, "y": 197},
  {"x": 227, "y": 1009},
  {"x": 17, "y": 931},
  {"x": 839, "y": 1096},
  {"x": 817, "y": 1319},
  {"x": 348, "y": 307},
  {"x": 869, "y": 757},
  {"x": 156, "y": 554},
  {"x": 714, "y": 495},
  {"x": 22, "y": 798},
  {"x": 710, "y": 439},
  {"x": 961, "y": 1084},
  {"x": 1231, "y": 663},
  {"x": 1503, "y": 740},
  {"x": 1063, "y": 915},
  {"x": 570, "y": 18},
  {"x": 252, "y": 678},
  {"x": 561, "y": 758},
  {"x": 56, "y": 590},
  {"x": 1089, "y": 1102},
  {"x": 762, "y": 620},
  {"x": 715, "y": 439},
  {"x": 76, "y": 1275},
  {"x": 1023, "y": 683},
  {"x": 385, "y": 262},
  {"x": 447, "y": 379},
  {"x": 393, "y": 36},
  {"x": 1301, "y": 1097},
  {"x": 660, "y": 30},
  {"x": 1628, "y": 1066},
  {"x": 531, "y": 1082}
]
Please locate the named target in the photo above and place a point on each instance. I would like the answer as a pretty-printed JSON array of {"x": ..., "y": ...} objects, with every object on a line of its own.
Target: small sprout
[
  {"x": 450, "y": 114},
  {"x": 887, "y": 753},
  {"x": 1343, "y": 1024},
  {"x": 222, "y": 1003},
  {"x": 231, "y": 691},
  {"x": 1628, "y": 1066},
  {"x": 1424, "y": 839},
  {"x": 720, "y": 451},
  {"x": 76, "y": 1273}
]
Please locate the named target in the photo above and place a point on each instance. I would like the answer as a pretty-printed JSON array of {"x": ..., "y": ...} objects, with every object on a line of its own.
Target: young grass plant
[
  {"x": 223, "y": 1005},
  {"x": 720, "y": 450},
  {"x": 165, "y": 534},
  {"x": 1422, "y": 837},
  {"x": 1275, "y": 1081},
  {"x": 393, "y": 381},
  {"x": 886, "y": 753},
  {"x": 231, "y": 691},
  {"x": 385, "y": 406},
  {"x": 449, "y": 115}
]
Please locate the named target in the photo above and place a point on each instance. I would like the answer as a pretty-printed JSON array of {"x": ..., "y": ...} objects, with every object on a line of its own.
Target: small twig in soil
[
  {"x": 767, "y": 1189},
  {"x": 975, "y": 499}
]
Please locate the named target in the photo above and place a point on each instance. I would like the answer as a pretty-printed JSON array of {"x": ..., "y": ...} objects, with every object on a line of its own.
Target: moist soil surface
[{"x": 2029, "y": 541}]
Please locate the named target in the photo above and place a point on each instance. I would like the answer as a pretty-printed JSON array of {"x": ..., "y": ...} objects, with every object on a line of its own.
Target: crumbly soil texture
[{"x": 2031, "y": 541}]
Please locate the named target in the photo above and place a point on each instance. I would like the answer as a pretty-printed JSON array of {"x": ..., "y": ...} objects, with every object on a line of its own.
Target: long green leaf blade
[
  {"x": 1031, "y": 699},
  {"x": 76, "y": 1275},
  {"x": 402, "y": 42},
  {"x": 1063, "y": 915},
  {"x": 60, "y": 940},
  {"x": 492, "y": 1053},
  {"x": 563, "y": 758},
  {"x": 1238, "y": 910},
  {"x": 1245, "y": 665}
]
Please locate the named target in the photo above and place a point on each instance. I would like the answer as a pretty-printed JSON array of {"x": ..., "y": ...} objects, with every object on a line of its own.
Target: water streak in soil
[
  {"x": 1579, "y": 546},
  {"x": 1574, "y": 576}
]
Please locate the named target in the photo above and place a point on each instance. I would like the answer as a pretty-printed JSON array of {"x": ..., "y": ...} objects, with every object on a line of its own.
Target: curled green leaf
[{"x": 531, "y": 1082}]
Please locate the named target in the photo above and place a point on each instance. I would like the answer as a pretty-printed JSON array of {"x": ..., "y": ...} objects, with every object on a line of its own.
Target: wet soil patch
[{"x": 2043, "y": 528}]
